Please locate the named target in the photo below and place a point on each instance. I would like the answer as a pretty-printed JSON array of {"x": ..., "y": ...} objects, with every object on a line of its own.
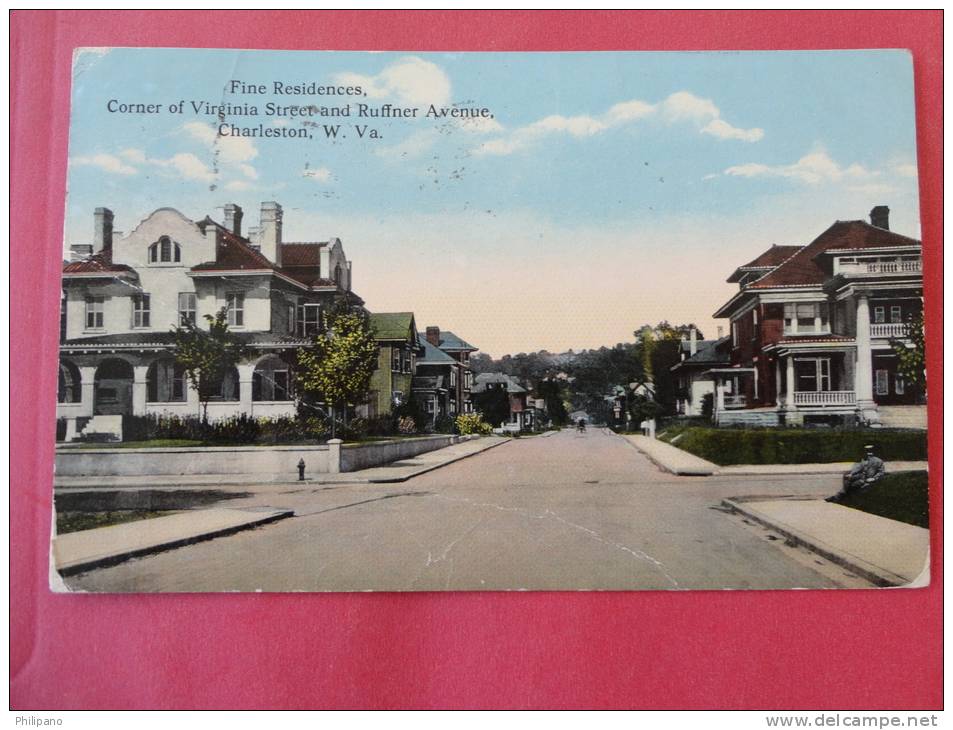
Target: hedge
[{"x": 726, "y": 446}]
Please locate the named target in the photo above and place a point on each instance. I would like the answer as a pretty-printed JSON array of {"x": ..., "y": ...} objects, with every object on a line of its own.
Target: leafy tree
[
  {"x": 912, "y": 361},
  {"x": 340, "y": 361},
  {"x": 493, "y": 404},
  {"x": 550, "y": 391},
  {"x": 207, "y": 355}
]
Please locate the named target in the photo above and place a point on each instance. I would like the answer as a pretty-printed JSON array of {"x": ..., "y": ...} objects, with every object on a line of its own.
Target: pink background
[{"x": 877, "y": 649}]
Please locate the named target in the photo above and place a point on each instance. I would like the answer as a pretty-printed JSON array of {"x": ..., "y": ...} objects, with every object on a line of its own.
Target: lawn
[
  {"x": 727, "y": 446},
  {"x": 901, "y": 496}
]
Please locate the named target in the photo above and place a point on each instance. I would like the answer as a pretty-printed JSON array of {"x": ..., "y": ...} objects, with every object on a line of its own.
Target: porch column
[
  {"x": 139, "y": 387},
  {"x": 777, "y": 382},
  {"x": 87, "y": 389},
  {"x": 246, "y": 375},
  {"x": 720, "y": 398},
  {"x": 789, "y": 401},
  {"x": 863, "y": 369}
]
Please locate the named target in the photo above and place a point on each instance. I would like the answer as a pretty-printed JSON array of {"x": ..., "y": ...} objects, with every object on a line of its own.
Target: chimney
[
  {"x": 721, "y": 331},
  {"x": 433, "y": 336},
  {"x": 693, "y": 340},
  {"x": 324, "y": 259},
  {"x": 271, "y": 232},
  {"x": 102, "y": 229},
  {"x": 80, "y": 251},
  {"x": 233, "y": 218},
  {"x": 880, "y": 217}
]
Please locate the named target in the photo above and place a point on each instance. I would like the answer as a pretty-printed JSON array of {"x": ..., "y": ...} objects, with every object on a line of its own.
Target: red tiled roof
[
  {"x": 99, "y": 263},
  {"x": 301, "y": 254},
  {"x": 773, "y": 256},
  {"x": 801, "y": 269},
  {"x": 234, "y": 253}
]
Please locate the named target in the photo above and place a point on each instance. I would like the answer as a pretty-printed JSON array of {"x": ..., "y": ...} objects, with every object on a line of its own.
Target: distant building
[
  {"x": 443, "y": 379},
  {"x": 522, "y": 412},
  {"x": 692, "y": 379}
]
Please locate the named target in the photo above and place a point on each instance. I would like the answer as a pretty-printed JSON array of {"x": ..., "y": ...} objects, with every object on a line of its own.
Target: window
[
  {"x": 271, "y": 380},
  {"x": 164, "y": 251},
  {"x": 805, "y": 318},
  {"x": 882, "y": 382},
  {"x": 309, "y": 319},
  {"x": 397, "y": 397},
  {"x": 879, "y": 315},
  {"x": 140, "y": 310},
  {"x": 898, "y": 384},
  {"x": 734, "y": 334},
  {"x": 813, "y": 375},
  {"x": 94, "y": 313},
  {"x": 406, "y": 362},
  {"x": 430, "y": 405},
  {"x": 291, "y": 318},
  {"x": 754, "y": 317},
  {"x": 395, "y": 360},
  {"x": 68, "y": 390},
  {"x": 186, "y": 307},
  {"x": 453, "y": 377},
  {"x": 235, "y": 305},
  {"x": 165, "y": 382},
  {"x": 895, "y": 315}
]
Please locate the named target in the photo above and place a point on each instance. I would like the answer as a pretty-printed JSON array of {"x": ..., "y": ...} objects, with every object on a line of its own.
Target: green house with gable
[{"x": 397, "y": 339}]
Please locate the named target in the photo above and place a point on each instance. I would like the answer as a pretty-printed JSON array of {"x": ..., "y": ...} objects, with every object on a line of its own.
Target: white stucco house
[{"x": 123, "y": 295}]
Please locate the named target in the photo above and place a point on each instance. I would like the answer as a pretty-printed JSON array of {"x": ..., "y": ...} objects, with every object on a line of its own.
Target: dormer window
[{"x": 164, "y": 251}]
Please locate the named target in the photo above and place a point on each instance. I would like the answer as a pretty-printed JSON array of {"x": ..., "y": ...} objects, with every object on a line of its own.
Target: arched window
[
  {"x": 272, "y": 380},
  {"x": 164, "y": 251},
  {"x": 226, "y": 389},
  {"x": 165, "y": 382},
  {"x": 68, "y": 390}
]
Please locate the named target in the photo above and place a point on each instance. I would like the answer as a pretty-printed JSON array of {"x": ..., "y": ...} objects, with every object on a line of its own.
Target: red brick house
[{"x": 812, "y": 326}]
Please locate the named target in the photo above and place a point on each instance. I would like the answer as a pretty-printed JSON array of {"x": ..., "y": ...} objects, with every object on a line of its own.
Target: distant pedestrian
[
  {"x": 581, "y": 425},
  {"x": 865, "y": 472}
]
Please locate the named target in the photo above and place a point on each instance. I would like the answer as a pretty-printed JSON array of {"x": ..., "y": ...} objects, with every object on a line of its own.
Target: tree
[
  {"x": 912, "y": 361},
  {"x": 493, "y": 404},
  {"x": 550, "y": 391},
  {"x": 207, "y": 355},
  {"x": 340, "y": 361}
]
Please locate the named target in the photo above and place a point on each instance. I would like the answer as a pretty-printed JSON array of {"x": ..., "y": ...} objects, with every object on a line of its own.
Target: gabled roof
[
  {"x": 765, "y": 262},
  {"x": 301, "y": 254},
  {"x": 433, "y": 355},
  {"x": 802, "y": 269},
  {"x": 392, "y": 325}
]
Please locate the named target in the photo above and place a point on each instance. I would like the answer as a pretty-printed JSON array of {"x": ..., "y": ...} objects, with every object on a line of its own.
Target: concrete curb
[
  {"x": 693, "y": 466},
  {"x": 877, "y": 576},
  {"x": 434, "y": 467},
  {"x": 122, "y": 555}
]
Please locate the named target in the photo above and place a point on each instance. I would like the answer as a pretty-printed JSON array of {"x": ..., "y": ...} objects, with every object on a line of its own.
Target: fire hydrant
[{"x": 301, "y": 470}]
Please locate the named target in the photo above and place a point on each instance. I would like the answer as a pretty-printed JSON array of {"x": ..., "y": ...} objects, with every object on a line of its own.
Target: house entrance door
[{"x": 113, "y": 395}]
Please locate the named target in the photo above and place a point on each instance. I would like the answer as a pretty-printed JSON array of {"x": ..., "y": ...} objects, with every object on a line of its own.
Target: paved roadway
[{"x": 567, "y": 511}]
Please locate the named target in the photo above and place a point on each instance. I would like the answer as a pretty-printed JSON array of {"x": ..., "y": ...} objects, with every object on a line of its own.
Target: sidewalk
[
  {"x": 885, "y": 552},
  {"x": 670, "y": 458},
  {"x": 75, "y": 552},
  {"x": 675, "y": 460},
  {"x": 398, "y": 471}
]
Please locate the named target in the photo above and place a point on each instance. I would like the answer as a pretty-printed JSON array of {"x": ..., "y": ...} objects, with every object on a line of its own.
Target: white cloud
[
  {"x": 134, "y": 155},
  {"x": 410, "y": 147},
  {"x": 721, "y": 129},
  {"x": 109, "y": 163},
  {"x": 814, "y": 168},
  {"x": 906, "y": 170},
  {"x": 238, "y": 185},
  {"x": 479, "y": 125},
  {"x": 230, "y": 149},
  {"x": 318, "y": 174},
  {"x": 410, "y": 80},
  {"x": 248, "y": 171},
  {"x": 680, "y": 107},
  {"x": 188, "y": 166}
]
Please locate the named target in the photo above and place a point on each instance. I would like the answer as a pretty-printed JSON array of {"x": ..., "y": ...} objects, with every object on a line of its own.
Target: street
[{"x": 567, "y": 511}]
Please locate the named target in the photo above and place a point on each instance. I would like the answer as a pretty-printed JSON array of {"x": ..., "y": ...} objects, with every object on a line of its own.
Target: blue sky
[{"x": 607, "y": 191}]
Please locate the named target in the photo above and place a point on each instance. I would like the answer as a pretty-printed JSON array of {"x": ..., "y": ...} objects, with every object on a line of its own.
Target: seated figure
[{"x": 864, "y": 473}]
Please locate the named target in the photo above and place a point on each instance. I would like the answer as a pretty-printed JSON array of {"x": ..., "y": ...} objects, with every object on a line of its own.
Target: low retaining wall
[{"x": 277, "y": 462}]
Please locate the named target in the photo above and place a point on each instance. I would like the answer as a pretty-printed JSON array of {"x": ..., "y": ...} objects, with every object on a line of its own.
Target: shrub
[
  {"x": 444, "y": 424},
  {"x": 727, "y": 446},
  {"x": 473, "y": 423},
  {"x": 406, "y": 425}
]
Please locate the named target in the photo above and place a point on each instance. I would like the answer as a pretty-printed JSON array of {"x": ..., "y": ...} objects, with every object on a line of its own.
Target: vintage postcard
[{"x": 343, "y": 321}]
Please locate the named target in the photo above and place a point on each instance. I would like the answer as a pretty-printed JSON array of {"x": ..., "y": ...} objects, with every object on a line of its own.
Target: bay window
[{"x": 806, "y": 318}]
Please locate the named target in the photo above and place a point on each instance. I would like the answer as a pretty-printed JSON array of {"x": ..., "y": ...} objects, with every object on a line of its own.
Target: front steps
[{"x": 103, "y": 428}]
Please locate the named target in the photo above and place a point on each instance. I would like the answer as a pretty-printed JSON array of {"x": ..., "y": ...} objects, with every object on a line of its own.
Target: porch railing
[
  {"x": 825, "y": 398},
  {"x": 735, "y": 401},
  {"x": 902, "y": 266},
  {"x": 889, "y": 329}
]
